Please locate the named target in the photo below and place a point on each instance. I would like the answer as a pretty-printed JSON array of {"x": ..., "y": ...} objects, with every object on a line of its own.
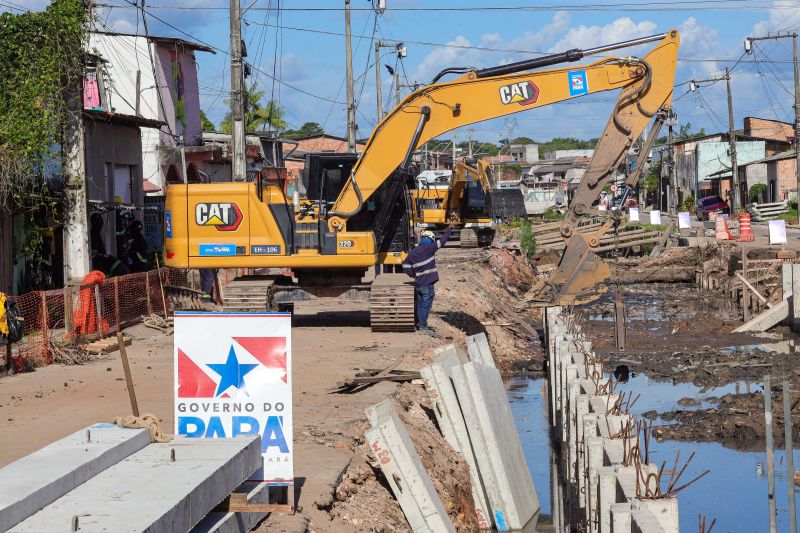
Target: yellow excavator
[
  {"x": 353, "y": 221},
  {"x": 468, "y": 201}
]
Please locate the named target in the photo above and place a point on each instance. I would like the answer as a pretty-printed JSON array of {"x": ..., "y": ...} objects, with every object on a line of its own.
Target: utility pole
[
  {"x": 796, "y": 118},
  {"x": 672, "y": 200},
  {"x": 732, "y": 142},
  {"x": 469, "y": 141},
  {"x": 397, "y": 87},
  {"x": 238, "y": 143},
  {"x": 351, "y": 105},
  {"x": 455, "y": 149},
  {"x": 378, "y": 88}
]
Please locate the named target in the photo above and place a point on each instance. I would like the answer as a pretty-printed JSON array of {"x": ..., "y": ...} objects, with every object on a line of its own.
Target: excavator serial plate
[{"x": 391, "y": 303}]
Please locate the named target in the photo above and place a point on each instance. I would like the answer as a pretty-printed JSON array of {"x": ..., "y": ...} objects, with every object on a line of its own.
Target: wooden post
[
  {"x": 773, "y": 520},
  {"x": 161, "y": 284},
  {"x": 45, "y": 327},
  {"x": 149, "y": 303},
  {"x": 787, "y": 426},
  {"x": 9, "y": 360},
  {"x": 128, "y": 377},
  {"x": 116, "y": 302},
  {"x": 746, "y": 303},
  {"x": 68, "y": 319},
  {"x": 99, "y": 310}
]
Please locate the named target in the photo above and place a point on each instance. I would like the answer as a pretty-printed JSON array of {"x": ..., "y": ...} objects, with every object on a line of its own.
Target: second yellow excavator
[
  {"x": 353, "y": 222},
  {"x": 468, "y": 201}
]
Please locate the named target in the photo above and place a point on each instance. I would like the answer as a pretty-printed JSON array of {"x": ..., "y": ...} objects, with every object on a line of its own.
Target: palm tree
[{"x": 256, "y": 116}]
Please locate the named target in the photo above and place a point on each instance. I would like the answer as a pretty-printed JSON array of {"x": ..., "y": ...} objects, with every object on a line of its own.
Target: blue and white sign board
[
  {"x": 233, "y": 376},
  {"x": 633, "y": 214},
  {"x": 684, "y": 220},
  {"x": 578, "y": 84},
  {"x": 655, "y": 217},
  {"x": 777, "y": 232}
]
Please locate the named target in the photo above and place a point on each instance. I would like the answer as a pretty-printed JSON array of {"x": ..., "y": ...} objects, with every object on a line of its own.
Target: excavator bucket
[{"x": 581, "y": 277}]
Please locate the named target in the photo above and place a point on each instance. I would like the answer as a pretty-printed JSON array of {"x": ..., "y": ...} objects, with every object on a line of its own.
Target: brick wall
[
  {"x": 325, "y": 143},
  {"x": 787, "y": 178},
  {"x": 768, "y": 129}
]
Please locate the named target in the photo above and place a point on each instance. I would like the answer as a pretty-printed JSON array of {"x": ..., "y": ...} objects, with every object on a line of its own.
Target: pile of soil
[
  {"x": 481, "y": 291},
  {"x": 361, "y": 498}
]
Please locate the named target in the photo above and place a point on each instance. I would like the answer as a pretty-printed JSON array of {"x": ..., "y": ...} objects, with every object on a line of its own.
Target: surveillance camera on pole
[
  {"x": 380, "y": 6},
  {"x": 402, "y": 51},
  {"x": 748, "y": 45},
  {"x": 692, "y": 86}
]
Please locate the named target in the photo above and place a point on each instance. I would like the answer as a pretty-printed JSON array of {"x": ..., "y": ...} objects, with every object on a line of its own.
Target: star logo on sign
[{"x": 232, "y": 373}]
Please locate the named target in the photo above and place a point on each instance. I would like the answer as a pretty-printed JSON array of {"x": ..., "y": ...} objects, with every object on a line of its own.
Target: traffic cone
[
  {"x": 721, "y": 228},
  {"x": 745, "y": 231}
]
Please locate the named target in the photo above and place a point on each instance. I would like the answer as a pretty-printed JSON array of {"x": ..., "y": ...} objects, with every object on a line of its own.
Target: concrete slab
[
  {"x": 410, "y": 483},
  {"x": 451, "y": 422},
  {"x": 479, "y": 350},
  {"x": 37, "y": 480},
  {"x": 497, "y": 447},
  {"x": 767, "y": 318},
  {"x": 148, "y": 491}
]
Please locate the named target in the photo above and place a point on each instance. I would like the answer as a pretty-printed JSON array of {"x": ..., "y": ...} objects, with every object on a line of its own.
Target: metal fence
[{"x": 75, "y": 315}]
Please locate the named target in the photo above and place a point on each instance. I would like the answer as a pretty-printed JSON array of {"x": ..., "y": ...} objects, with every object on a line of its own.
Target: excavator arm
[
  {"x": 480, "y": 95},
  {"x": 646, "y": 92}
]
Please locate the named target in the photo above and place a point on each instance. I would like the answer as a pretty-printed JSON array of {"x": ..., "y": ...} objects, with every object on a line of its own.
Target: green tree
[
  {"x": 685, "y": 132},
  {"x": 257, "y": 116},
  {"x": 527, "y": 240},
  {"x": 208, "y": 126},
  {"x": 308, "y": 129},
  {"x": 651, "y": 180}
]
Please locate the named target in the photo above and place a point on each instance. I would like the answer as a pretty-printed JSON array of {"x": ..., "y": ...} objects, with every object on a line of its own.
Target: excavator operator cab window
[{"x": 325, "y": 175}]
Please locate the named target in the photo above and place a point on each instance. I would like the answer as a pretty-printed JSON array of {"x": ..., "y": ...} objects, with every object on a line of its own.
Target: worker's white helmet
[{"x": 427, "y": 234}]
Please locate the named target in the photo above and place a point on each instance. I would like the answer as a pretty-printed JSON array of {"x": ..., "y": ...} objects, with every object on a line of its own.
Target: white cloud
[
  {"x": 782, "y": 15},
  {"x": 528, "y": 43},
  {"x": 621, "y": 29}
]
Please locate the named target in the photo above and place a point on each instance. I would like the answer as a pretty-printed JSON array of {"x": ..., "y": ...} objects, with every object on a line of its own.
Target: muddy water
[{"x": 734, "y": 491}]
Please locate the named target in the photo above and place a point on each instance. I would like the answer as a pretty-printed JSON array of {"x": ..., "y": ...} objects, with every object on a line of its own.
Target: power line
[
  {"x": 489, "y": 48},
  {"x": 680, "y": 5}
]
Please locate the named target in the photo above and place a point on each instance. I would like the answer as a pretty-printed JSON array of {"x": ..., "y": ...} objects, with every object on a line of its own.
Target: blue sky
[{"x": 312, "y": 62}]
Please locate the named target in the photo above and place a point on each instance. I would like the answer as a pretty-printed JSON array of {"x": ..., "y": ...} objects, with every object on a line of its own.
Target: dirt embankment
[
  {"x": 479, "y": 291},
  {"x": 361, "y": 499},
  {"x": 482, "y": 291}
]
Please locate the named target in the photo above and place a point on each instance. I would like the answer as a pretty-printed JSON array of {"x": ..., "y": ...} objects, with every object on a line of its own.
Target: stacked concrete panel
[
  {"x": 403, "y": 469},
  {"x": 598, "y": 490},
  {"x": 160, "y": 488},
  {"x": 37, "y": 480},
  {"x": 495, "y": 442},
  {"x": 479, "y": 350},
  {"x": 451, "y": 422}
]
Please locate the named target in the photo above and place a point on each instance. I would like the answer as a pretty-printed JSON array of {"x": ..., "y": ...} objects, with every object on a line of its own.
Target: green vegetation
[
  {"x": 640, "y": 225},
  {"x": 41, "y": 67},
  {"x": 256, "y": 116},
  {"x": 552, "y": 214},
  {"x": 207, "y": 125},
  {"x": 790, "y": 216},
  {"x": 527, "y": 240},
  {"x": 688, "y": 204},
  {"x": 755, "y": 192},
  {"x": 653, "y": 177},
  {"x": 308, "y": 129},
  {"x": 514, "y": 223}
]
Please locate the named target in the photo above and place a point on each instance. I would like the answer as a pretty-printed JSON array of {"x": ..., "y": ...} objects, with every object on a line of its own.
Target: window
[{"x": 123, "y": 184}]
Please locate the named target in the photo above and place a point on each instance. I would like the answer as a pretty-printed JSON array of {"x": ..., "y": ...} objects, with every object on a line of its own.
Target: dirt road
[{"x": 337, "y": 489}]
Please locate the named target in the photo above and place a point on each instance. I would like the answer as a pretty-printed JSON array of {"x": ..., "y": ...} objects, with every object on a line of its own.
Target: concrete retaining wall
[{"x": 596, "y": 445}]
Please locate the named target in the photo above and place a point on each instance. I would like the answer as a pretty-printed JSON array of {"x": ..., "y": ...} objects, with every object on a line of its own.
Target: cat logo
[
  {"x": 225, "y": 216},
  {"x": 523, "y": 92}
]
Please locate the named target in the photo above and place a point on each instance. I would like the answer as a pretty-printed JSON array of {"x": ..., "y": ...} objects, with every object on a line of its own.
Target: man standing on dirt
[{"x": 421, "y": 265}]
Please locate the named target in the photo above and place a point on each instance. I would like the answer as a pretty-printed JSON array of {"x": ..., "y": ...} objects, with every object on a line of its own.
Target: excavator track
[
  {"x": 391, "y": 303},
  {"x": 247, "y": 294},
  {"x": 468, "y": 238}
]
